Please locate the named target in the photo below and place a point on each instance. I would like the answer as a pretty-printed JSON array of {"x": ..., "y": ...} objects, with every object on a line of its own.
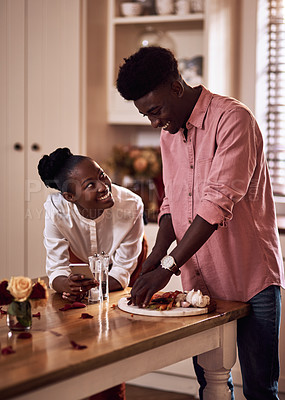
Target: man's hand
[
  {"x": 148, "y": 284},
  {"x": 151, "y": 263},
  {"x": 155, "y": 278}
]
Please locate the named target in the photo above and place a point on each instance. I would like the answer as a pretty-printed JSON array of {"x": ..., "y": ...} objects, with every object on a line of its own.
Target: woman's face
[{"x": 91, "y": 189}]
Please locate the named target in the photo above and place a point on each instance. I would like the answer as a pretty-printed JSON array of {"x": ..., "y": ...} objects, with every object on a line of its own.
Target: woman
[{"x": 88, "y": 215}]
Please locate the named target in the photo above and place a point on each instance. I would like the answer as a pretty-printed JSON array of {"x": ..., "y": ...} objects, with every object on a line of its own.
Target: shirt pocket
[{"x": 203, "y": 168}]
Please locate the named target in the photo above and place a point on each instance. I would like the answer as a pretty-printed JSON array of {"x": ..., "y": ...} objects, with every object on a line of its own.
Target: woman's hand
[{"x": 74, "y": 287}]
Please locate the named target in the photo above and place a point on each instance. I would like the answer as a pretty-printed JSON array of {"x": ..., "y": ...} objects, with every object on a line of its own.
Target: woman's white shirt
[{"x": 118, "y": 232}]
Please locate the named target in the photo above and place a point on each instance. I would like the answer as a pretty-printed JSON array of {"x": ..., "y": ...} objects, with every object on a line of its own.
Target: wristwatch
[{"x": 168, "y": 262}]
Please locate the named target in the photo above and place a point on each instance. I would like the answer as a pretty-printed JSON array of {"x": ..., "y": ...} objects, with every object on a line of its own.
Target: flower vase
[{"x": 19, "y": 316}]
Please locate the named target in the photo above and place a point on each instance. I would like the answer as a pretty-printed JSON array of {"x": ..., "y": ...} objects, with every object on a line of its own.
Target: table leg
[{"x": 218, "y": 363}]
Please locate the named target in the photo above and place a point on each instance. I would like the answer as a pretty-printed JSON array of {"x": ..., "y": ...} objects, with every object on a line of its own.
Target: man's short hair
[{"x": 145, "y": 70}]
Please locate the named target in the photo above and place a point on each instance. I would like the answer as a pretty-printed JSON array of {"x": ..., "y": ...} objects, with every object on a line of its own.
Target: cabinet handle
[
  {"x": 35, "y": 147},
  {"x": 18, "y": 146}
]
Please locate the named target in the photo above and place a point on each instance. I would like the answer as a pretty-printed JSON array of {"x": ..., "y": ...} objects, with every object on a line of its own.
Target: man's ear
[
  {"x": 177, "y": 88},
  {"x": 68, "y": 196}
]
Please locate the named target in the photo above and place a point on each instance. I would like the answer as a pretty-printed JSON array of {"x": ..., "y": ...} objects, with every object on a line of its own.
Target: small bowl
[{"x": 131, "y": 9}]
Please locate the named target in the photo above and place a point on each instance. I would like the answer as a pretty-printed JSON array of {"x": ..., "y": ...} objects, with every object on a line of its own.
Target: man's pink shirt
[{"x": 220, "y": 173}]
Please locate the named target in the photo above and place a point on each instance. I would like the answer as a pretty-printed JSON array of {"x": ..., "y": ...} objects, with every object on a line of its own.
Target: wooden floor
[{"x": 141, "y": 393}]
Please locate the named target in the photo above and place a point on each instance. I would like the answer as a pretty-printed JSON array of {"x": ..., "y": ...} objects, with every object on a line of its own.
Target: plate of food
[{"x": 171, "y": 304}]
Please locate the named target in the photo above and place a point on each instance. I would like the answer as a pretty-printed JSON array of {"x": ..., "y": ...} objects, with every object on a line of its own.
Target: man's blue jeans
[{"x": 258, "y": 343}]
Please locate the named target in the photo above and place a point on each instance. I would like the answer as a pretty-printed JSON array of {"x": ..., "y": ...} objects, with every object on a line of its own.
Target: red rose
[
  {"x": 5, "y": 295},
  {"x": 38, "y": 291}
]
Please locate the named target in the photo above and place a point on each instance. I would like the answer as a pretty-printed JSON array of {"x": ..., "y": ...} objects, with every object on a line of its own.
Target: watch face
[{"x": 168, "y": 261}]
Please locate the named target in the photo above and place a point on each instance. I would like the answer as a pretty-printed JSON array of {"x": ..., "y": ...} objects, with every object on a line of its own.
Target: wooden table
[{"x": 120, "y": 347}]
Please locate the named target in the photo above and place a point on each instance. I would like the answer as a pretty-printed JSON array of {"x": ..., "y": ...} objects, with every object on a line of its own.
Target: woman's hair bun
[{"x": 50, "y": 166}]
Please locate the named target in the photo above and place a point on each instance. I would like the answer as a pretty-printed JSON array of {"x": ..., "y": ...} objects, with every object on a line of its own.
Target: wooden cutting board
[{"x": 174, "y": 312}]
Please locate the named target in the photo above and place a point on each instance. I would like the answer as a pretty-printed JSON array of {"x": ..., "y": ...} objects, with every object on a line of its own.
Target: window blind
[{"x": 276, "y": 95}]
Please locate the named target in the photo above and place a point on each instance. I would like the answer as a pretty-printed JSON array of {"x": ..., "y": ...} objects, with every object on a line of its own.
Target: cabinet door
[
  {"x": 12, "y": 131},
  {"x": 40, "y": 110},
  {"x": 53, "y": 104}
]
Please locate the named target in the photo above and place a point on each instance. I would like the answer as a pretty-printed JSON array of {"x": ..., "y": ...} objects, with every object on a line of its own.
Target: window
[{"x": 275, "y": 118}]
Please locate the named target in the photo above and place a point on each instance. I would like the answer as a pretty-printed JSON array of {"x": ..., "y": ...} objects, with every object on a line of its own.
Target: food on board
[{"x": 169, "y": 300}]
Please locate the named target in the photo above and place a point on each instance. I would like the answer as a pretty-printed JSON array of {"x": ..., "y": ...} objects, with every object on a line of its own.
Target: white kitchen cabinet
[{"x": 39, "y": 111}]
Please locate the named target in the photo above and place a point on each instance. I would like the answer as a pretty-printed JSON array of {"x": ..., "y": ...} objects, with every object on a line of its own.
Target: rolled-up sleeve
[
  {"x": 230, "y": 172},
  {"x": 164, "y": 209}
]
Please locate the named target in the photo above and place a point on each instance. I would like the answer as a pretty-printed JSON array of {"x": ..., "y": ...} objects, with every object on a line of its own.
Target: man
[{"x": 218, "y": 206}]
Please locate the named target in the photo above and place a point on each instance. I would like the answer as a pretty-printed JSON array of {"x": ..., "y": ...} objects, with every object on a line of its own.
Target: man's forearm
[
  {"x": 196, "y": 235},
  {"x": 165, "y": 236}
]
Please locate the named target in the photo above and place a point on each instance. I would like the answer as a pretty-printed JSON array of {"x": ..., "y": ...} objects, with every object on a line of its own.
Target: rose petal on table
[
  {"x": 66, "y": 307},
  {"x": 24, "y": 335},
  {"x": 76, "y": 304},
  {"x": 37, "y": 315},
  {"x": 86, "y": 316},
  {"x": 77, "y": 346},
  {"x": 7, "y": 350}
]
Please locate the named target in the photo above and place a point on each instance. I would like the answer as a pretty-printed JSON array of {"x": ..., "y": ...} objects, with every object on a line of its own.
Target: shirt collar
[
  {"x": 199, "y": 112},
  {"x": 87, "y": 220}
]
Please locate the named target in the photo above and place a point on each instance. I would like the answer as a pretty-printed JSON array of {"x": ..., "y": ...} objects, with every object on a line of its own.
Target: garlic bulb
[{"x": 196, "y": 298}]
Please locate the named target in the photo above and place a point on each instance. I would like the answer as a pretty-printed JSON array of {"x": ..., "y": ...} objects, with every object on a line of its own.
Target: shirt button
[
  {"x": 190, "y": 221},
  {"x": 191, "y": 166},
  {"x": 190, "y": 194},
  {"x": 197, "y": 273},
  {"x": 184, "y": 140}
]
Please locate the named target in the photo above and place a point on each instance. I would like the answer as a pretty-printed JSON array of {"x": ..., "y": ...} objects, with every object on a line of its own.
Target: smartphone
[{"x": 81, "y": 269}]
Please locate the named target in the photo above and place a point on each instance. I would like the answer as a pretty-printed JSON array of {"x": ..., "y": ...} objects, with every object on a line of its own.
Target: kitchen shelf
[
  {"x": 187, "y": 32},
  {"x": 152, "y": 19}
]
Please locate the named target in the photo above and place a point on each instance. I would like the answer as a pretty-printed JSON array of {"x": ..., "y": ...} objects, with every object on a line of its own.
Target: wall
[
  {"x": 100, "y": 136},
  {"x": 247, "y": 53}
]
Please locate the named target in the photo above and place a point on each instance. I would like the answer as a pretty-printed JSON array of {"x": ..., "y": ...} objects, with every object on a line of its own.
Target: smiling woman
[
  {"x": 88, "y": 215},
  {"x": 80, "y": 180}
]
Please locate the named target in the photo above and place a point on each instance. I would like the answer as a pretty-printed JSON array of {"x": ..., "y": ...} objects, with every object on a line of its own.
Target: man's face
[{"x": 163, "y": 108}]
